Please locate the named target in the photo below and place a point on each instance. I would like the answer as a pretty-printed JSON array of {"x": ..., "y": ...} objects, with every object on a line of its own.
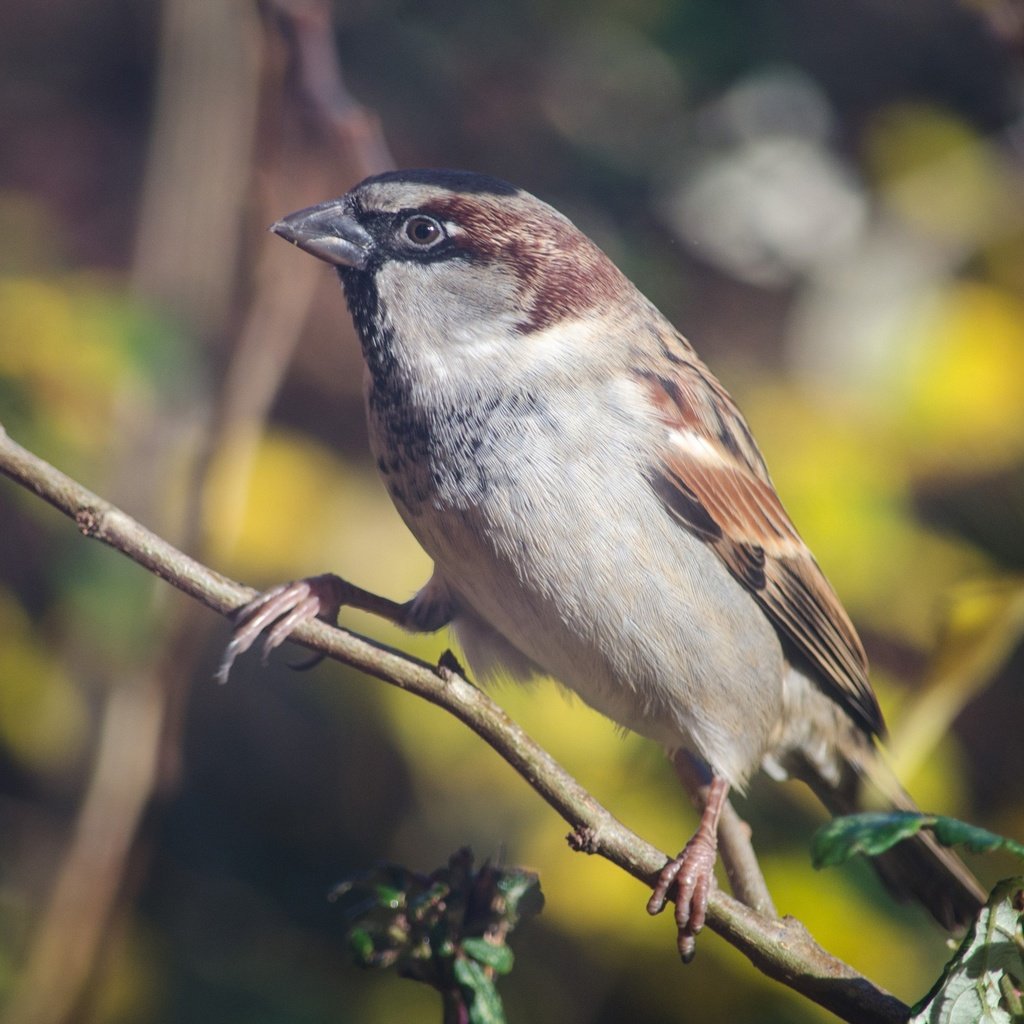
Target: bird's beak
[{"x": 328, "y": 232}]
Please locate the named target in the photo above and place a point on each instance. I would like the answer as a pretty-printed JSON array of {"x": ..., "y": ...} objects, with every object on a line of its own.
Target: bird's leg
[
  {"x": 693, "y": 872},
  {"x": 735, "y": 849},
  {"x": 276, "y": 613}
]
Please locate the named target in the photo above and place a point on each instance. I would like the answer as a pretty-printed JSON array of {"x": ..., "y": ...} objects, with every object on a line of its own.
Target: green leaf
[
  {"x": 389, "y": 896},
  {"x": 951, "y": 832},
  {"x": 875, "y": 832},
  {"x": 499, "y": 958},
  {"x": 982, "y": 984},
  {"x": 483, "y": 999},
  {"x": 432, "y": 927},
  {"x": 870, "y": 833},
  {"x": 361, "y": 943},
  {"x": 522, "y": 892}
]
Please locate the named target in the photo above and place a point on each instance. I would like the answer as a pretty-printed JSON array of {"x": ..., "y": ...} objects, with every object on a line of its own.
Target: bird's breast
[{"x": 542, "y": 521}]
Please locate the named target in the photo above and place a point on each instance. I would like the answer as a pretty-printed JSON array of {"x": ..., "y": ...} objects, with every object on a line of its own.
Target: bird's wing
[{"x": 713, "y": 479}]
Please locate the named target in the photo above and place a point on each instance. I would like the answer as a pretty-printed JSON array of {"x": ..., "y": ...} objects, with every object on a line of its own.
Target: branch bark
[{"x": 781, "y": 949}]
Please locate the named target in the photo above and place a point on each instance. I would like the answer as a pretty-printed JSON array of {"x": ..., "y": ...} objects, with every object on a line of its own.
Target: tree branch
[{"x": 781, "y": 949}]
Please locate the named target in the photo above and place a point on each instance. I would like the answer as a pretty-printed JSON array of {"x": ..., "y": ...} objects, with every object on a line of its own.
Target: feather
[{"x": 712, "y": 478}]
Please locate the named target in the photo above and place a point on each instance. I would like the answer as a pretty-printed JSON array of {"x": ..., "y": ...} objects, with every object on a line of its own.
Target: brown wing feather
[{"x": 714, "y": 480}]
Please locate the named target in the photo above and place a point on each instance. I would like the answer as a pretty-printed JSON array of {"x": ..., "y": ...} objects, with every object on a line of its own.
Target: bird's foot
[
  {"x": 693, "y": 875},
  {"x": 275, "y": 614}
]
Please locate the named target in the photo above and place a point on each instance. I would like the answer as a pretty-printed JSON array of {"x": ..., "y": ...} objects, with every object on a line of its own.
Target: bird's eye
[{"x": 423, "y": 231}]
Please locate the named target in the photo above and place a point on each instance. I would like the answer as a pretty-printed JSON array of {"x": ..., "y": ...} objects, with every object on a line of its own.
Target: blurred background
[{"x": 825, "y": 197}]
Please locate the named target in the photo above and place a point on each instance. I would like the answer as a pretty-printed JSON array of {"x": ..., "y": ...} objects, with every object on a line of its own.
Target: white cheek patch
[{"x": 447, "y": 315}]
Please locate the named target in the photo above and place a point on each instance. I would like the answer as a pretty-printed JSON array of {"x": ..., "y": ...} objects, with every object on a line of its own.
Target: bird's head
[{"x": 454, "y": 259}]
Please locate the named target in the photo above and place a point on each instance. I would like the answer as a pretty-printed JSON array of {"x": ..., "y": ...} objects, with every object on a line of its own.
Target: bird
[{"x": 597, "y": 511}]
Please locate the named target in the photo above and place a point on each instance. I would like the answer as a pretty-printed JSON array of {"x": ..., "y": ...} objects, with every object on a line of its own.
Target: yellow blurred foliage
[
  {"x": 929, "y": 765},
  {"x": 846, "y": 486},
  {"x": 977, "y": 610},
  {"x": 845, "y": 921},
  {"x": 934, "y": 170},
  {"x": 61, "y": 344},
  {"x": 959, "y": 398},
  {"x": 134, "y": 981},
  {"x": 43, "y": 718},
  {"x": 280, "y": 505},
  {"x": 983, "y": 627},
  {"x": 843, "y": 498}
]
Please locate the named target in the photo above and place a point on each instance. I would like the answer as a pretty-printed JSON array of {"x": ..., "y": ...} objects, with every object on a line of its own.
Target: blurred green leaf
[
  {"x": 389, "y": 896},
  {"x": 361, "y": 944},
  {"x": 498, "y": 958},
  {"x": 951, "y": 832},
  {"x": 482, "y": 1000},
  {"x": 984, "y": 981},
  {"x": 522, "y": 893},
  {"x": 447, "y": 929},
  {"x": 875, "y": 832}
]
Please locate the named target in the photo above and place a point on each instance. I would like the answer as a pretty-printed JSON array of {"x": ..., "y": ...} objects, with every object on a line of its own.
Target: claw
[
  {"x": 692, "y": 874},
  {"x": 304, "y": 609},
  {"x": 304, "y": 666},
  {"x": 278, "y": 612}
]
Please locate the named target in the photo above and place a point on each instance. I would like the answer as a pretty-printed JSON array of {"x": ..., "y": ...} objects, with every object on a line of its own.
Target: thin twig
[{"x": 781, "y": 949}]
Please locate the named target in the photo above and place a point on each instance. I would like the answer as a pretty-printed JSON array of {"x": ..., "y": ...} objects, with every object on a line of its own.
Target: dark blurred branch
[
  {"x": 187, "y": 254},
  {"x": 347, "y": 145},
  {"x": 1005, "y": 19},
  {"x": 354, "y": 129},
  {"x": 79, "y": 907},
  {"x": 781, "y": 949},
  {"x": 200, "y": 158}
]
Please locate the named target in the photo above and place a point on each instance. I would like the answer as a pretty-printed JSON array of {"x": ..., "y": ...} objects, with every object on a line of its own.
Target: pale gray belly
[{"x": 558, "y": 552}]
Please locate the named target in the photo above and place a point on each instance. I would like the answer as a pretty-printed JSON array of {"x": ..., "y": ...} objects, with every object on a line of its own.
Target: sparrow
[{"x": 596, "y": 509}]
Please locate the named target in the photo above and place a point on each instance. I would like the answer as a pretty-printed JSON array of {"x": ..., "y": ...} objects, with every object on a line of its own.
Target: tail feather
[
  {"x": 917, "y": 868},
  {"x": 920, "y": 869},
  {"x": 818, "y": 743}
]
